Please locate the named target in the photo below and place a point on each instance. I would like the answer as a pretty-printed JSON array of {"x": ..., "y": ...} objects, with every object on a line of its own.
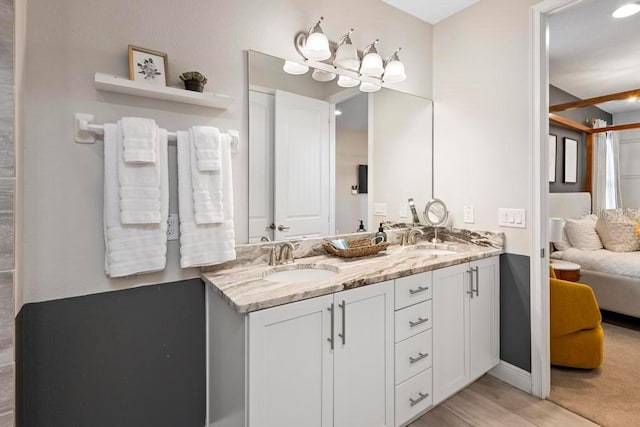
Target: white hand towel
[
  {"x": 207, "y": 142},
  {"x": 139, "y": 139},
  {"x": 132, "y": 249},
  {"x": 207, "y": 189},
  {"x": 203, "y": 244},
  {"x": 139, "y": 186}
]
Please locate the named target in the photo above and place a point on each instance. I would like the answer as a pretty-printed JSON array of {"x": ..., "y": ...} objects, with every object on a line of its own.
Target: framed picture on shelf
[
  {"x": 570, "y": 160},
  {"x": 149, "y": 66},
  {"x": 553, "y": 143}
]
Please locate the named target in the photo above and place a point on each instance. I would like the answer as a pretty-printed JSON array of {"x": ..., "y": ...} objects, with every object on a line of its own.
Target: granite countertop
[{"x": 246, "y": 288}]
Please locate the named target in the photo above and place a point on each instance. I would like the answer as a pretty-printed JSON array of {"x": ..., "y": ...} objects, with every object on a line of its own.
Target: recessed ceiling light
[
  {"x": 633, "y": 99},
  {"x": 626, "y": 10},
  {"x": 338, "y": 112}
]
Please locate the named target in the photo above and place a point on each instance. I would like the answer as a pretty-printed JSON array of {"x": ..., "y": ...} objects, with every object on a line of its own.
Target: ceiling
[
  {"x": 431, "y": 11},
  {"x": 593, "y": 54}
]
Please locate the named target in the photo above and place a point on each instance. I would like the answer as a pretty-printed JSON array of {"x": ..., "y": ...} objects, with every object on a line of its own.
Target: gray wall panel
[{"x": 515, "y": 310}]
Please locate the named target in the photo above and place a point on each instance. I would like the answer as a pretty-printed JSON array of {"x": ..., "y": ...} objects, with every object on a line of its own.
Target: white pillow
[
  {"x": 618, "y": 231},
  {"x": 563, "y": 244},
  {"x": 582, "y": 234}
]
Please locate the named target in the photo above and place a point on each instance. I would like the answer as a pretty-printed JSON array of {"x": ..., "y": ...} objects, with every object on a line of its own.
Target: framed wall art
[{"x": 149, "y": 66}]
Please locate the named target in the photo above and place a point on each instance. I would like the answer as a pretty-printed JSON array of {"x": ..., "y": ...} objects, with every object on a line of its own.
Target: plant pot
[{"x": 194, "y": 85}]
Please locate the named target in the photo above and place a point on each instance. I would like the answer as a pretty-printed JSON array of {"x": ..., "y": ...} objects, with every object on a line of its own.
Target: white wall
[
  {"x": 481, "y": 93},
  {"x": 402, "y": 153},
  {"x": 629, "y": 159},
  {"x": 69, "y": 40}
]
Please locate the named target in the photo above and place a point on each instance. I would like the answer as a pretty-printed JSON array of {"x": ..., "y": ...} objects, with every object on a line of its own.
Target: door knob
[
  {"x": 270, "y": 227},
  {"x": 282, "y": 228}
]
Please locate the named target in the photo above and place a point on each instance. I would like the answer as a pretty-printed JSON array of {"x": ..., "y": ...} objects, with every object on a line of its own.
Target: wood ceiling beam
[
  {"x": 635, "y": 93},
  {"x": 569, "y": 123}
]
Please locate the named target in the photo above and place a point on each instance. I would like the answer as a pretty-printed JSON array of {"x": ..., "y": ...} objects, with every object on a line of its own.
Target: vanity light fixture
[
  {"x": 369, "y": 87},
  {"x": 372, "y": 65},
  {"x": 316, "y": 46},
  {"x": 322, "y": 76},
  {"x": 394, "y": 69},
  {"x": 344, "y": 81},
  {"x": 346, "y": 54},
  {"x": 294, "y": 68},
  {"x": 626, "y": 10}
]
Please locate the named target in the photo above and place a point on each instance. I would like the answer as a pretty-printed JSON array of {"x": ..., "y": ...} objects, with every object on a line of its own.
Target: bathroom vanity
[{"x": 378, "y": 342}]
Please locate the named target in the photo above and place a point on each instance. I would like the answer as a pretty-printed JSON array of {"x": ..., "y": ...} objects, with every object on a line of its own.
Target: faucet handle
[{"x": 271, "y": 250}]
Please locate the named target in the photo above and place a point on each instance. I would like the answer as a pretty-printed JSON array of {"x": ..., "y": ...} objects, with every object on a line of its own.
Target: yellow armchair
[{"x": 577, "y": 338}]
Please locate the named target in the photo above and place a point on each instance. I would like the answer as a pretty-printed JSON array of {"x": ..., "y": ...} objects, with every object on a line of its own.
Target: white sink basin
[
  {"x": 299, "y": 274},
  {"x": 431, "y": 250}
]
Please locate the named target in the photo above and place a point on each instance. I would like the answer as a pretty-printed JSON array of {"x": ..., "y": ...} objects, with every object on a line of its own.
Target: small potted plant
[{"x": 193, "y": 80}]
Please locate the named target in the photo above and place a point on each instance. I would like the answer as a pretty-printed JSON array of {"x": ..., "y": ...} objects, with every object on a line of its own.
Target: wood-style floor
[{"x": 490, "y": 402}]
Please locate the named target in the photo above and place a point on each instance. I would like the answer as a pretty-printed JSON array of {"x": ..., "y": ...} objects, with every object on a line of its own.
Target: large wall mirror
[{"x": 323, "y": 159}]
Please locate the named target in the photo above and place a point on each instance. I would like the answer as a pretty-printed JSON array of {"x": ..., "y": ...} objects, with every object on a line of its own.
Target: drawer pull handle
[
  {"x": 414, "y": 402},
  {"x": 420, "y": 321},
  {"x": 421, "y": 356},
  {"x": 417, "y": 291}
]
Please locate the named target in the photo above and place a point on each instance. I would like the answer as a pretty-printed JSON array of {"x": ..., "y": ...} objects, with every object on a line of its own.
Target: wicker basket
[{"x": 357, "y": 248}]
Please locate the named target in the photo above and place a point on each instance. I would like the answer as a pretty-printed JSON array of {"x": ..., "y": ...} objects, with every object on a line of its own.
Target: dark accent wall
[
  {"x": 579, "y": 115},
  {"x": 515, "y": 310},
  {"x": 130, "y": 358}
]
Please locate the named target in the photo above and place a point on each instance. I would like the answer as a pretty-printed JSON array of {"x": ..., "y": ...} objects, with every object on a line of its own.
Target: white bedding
[{"x": 604, "y": 261}]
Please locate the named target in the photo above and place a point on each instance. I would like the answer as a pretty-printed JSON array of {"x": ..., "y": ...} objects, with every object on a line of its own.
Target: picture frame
[
  {"x": 553, "y": 144},
  {"x": 570, "y": 160},
  {"x": 148, "y": 66}
]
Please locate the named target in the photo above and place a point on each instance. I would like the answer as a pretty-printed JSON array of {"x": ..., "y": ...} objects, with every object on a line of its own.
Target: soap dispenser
[
  {"x": 381, "y": 233},
  {"x": 361, "y": 228}
]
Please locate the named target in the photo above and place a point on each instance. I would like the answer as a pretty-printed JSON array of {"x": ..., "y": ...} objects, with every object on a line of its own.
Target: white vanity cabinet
[
  {"x": 466, "y": 332},
  {"x": 324, "y": 361}
]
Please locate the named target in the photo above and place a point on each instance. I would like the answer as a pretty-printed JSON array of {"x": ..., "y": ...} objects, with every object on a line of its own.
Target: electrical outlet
[
  {"x": 173, "y": 227},
  {"x": 404, "y": 210},
  {"x": 468, "y": 214}
]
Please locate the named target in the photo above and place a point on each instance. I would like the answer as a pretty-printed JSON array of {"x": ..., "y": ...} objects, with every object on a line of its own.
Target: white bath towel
[
  {"x": 139, "y": 139},
  {"x": 204, "y": 244},
  {"x": 132, "y": 249},
  {"x": 139, "y": 185},
  {"x": 207, "y": 142},
  {"x": 207, "y": 189}
]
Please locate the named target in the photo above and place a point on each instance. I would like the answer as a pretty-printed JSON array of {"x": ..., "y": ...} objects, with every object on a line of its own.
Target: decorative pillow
[
  {"x": 563, "y": 244},
  {"x": 582, "y": 234},
  {"x": 618, "y": 231}
]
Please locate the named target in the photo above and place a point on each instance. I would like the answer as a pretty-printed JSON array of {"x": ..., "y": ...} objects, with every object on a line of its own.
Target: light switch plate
[
  {"x": 516, "y": 218},
  {"x": 404, "y": 210},
  {"x": 468, "y": 214},
  {"x": 380, "y": 209}
]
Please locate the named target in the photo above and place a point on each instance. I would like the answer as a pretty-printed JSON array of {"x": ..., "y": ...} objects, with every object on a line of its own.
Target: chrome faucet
[
  {"x": 409, "y": 238},
  {"x": 284, "y": 256},
  {"x": 286, "y": 253}
]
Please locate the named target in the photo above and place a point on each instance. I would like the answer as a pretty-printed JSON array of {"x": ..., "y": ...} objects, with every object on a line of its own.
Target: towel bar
[{"x": 86, "y": 131}]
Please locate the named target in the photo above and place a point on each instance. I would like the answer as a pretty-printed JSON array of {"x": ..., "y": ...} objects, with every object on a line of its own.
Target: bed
[{"x": 613, "y": 276}]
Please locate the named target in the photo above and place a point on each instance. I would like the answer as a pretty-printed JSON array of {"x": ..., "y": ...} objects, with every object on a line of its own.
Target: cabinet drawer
[
  {"x": 413, "y": 356},
  {"x": 413, "y": 289},
  {"x": 413, "y": 320},
  {"x": 413, "y": 396}
]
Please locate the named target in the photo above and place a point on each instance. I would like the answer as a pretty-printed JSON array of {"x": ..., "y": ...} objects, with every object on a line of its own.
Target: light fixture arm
[
  {"x": 393, "y": 57},
  {"x": 316, "y": 28},
  {"x": 346, "y": 38},
  {"x": 370, "y": 48}
]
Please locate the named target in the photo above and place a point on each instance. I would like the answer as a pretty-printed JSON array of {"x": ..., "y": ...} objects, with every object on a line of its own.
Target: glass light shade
[
  {"x": 372, "y": 65},
  {"x": 294, "y": 68},
  {"x": 317, "y": 47},
  {"x": 369, "y": 87},
  {"x": 344, "y": 81},
  {"x": 322, "y": 76},
  {"x": 394, "y": 72},
  {"x": 347, "y": 57},
  {"x": 626, "y": 10}
]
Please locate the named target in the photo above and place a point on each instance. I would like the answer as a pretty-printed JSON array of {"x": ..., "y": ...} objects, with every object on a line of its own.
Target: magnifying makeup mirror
[{"x": 436, "y": 215}]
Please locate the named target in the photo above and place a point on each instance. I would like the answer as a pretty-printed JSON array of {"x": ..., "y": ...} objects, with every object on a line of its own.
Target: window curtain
[{"x": 606, "y": 169}]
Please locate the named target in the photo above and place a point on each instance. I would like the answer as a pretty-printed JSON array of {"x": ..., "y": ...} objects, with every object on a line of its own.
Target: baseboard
[{"x": 513, "y": 375}]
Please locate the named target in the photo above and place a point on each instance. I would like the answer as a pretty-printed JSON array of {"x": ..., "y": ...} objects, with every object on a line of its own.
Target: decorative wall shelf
[{"x": 111, "y": 83}]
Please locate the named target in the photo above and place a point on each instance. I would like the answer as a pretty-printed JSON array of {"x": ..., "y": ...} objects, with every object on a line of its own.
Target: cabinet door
[
  {"x": 291, "y": 365},
  {"x": 450, "y": 330},
  {"x": 485, "y": 316},
  {"x": 363, "y": 357}
]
